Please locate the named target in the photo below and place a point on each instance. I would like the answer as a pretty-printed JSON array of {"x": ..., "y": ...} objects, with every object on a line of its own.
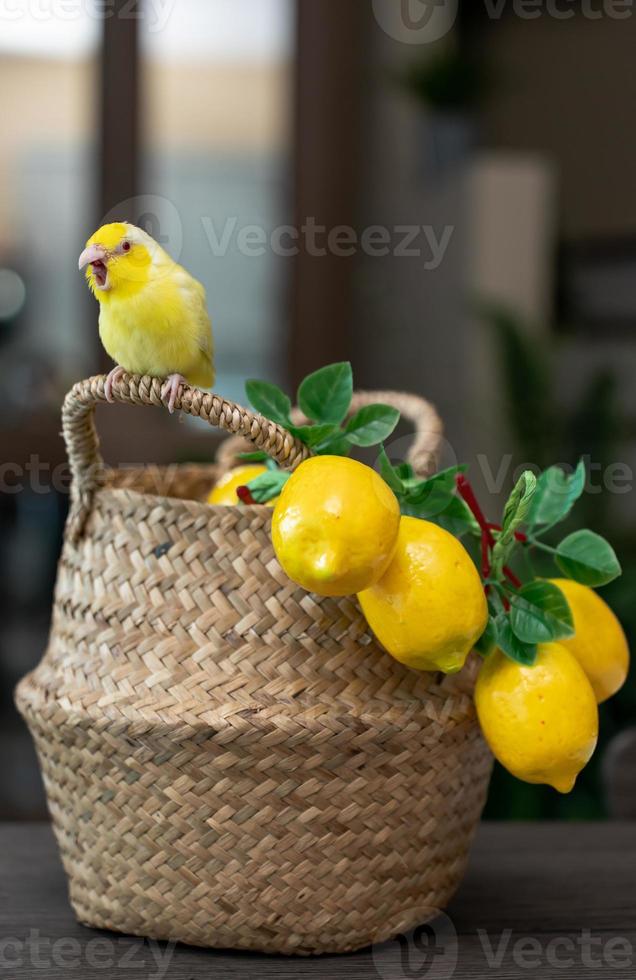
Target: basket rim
[{"x": 190, "y": 503}]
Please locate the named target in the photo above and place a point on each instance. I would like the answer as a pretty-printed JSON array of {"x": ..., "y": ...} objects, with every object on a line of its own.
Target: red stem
[
  {"x": 487, "y": 540},
  {"x": 485, "y": 560},
  {"x": 468, "y": 495},
  {"x": 510, "y": 575},
  {"x": 244, "y": 495}
]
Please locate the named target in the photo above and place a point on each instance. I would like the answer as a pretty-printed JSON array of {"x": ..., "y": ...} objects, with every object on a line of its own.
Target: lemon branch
[
  {"x": 524, "y": 614},
  {"x": 488, "y": 542}
]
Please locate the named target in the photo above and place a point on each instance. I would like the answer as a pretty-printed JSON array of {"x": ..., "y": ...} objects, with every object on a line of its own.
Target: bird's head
[{"x": 118, "y": 259}]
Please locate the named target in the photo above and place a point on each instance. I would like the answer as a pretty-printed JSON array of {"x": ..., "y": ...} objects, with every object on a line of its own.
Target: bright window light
[
  {"x": 232, "y": 30},
  {"x": 49, "y": 28},
  {"x": 219, "y": 30}
]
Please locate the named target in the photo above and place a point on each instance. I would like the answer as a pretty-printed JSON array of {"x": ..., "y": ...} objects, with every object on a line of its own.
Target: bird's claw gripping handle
[{"x": 88, "y": 468}]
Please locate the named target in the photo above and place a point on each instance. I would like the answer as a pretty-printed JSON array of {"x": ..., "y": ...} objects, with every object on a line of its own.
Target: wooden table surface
[{"x": 539, "y": 900}]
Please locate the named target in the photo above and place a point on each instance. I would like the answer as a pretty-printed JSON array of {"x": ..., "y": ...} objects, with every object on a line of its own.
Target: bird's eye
[{"x": 125, "y": 247}]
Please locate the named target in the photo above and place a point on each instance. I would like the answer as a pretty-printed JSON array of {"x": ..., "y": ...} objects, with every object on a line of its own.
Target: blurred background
[{"x": 442, "y": 193}]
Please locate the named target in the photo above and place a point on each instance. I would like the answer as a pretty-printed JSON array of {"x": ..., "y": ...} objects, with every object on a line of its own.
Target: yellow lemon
[
  {"x": 599, "y": 644},
  {"x": 429, "y": 608},
  {"x": 541, "y": 722},
  {"x": 224, "y": 491},
  {"x": 335, "y": 526}
]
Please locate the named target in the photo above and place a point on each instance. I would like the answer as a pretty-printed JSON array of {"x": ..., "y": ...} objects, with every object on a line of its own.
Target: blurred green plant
[
  {"x": 450, "y": 81},
  {"x": 544, "y": 430}
]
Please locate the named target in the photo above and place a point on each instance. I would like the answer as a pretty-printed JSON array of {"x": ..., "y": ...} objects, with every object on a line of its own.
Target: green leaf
[
  {"x": 511, "y": 645},
  {"x": 325, "y": 395},
  {"x": 372, "y": 425},
  {"x": 458, "y": 519},
  {"x": 269, "y": 400},
  {"x": 389, "y": 472},
  {"x": 515, "y": 514},
  {"x": 556, "y": 494},
  {"x": 588, "y": 558},
  {"x": 447, "y": 477},
  {"x": 551, "y": 600},
  {"x": 268, "y": 485},
  {"x": 431, "y": 497},
  {"x": 418, "y": 490},
  {"x": 257, "y": 457},
  {"x": 339, "y": 445},
  {"x": 487, "y": 642},
  {"x": 539, "y": 613},
  {"x": 313, "y": 435},
  {"x": 436, "y": 503},
  {"x": 404, "y": 471},
  {"x": 518, "y": 504}
]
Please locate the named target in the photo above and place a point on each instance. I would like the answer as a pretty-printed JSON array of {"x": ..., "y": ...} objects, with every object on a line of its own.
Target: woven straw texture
[{"x": 230, "y": 761}]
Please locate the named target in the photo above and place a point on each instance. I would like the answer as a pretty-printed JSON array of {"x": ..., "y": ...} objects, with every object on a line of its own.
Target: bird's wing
[
  {"x": 205, "y": 336},
  {"x": 197, "y": 305}
]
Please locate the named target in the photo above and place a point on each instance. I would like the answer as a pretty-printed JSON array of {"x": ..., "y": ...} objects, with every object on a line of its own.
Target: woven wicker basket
[{"x": 230, "y": 761}]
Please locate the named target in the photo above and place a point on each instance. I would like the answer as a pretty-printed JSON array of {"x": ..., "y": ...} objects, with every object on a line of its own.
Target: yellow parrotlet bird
[{"x": 153, "y": 317}]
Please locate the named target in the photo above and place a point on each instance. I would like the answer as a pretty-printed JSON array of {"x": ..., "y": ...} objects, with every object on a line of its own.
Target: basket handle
[
  {"x": 422, "y": 453},
  {"x": 88, "y": 468},
  {"x": 82, "y": 442}
]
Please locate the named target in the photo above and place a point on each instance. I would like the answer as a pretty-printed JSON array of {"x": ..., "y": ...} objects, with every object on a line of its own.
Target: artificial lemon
[
  {"x": 541, "y": 722},
  {"x": 335, "y": 526},
  {"x": 599, "y": 642},
  {"x": 224, "y": 491},
  {"x": 429, "y": 608}
]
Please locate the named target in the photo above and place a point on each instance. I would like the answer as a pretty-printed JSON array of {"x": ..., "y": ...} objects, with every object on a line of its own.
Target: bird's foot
[
  {"x": 111, "y": 378},
  {"x": 170, "y": 389}
]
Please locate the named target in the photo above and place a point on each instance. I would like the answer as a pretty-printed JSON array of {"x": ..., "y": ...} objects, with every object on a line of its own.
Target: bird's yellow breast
[{"x": 159, "y": 329}]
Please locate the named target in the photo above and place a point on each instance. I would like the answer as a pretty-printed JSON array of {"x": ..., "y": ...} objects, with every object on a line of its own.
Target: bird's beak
[
  {"x": 97, "y": 257},
  {"x": 94, "y": 253}
]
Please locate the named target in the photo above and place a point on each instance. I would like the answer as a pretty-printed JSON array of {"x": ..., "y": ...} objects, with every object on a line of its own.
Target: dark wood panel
[
  {"x": 538, "y": 900},
  {"x": 119, "y": 104},
  {"x": 327, "y": 119},
  {"x": 119, "y": 136}
]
